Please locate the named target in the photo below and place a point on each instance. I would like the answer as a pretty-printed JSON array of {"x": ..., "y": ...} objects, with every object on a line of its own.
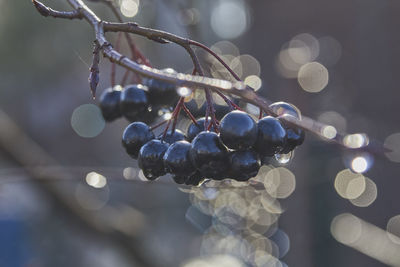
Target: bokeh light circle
[
  {"x": 229, "y": 18},
  {"x": 87, "y": 121},
  {"x": 349, "y": 185},
  {"x": 368, "y": 196},
  {"x": 313, "y": 77},
  {"x": 346, "y": 228}
]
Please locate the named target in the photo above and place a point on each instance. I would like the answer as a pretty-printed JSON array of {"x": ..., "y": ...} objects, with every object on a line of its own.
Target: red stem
[
  {"x": 187, "y": 111},
  {"x": 174, "y": 116},
  {"x": 261, "y": 114},
  {"x": 216, "y": 57},
  {"x": 158, "y": 125},
  {"x": 230, "y": 103},
  {"x": 210, "y": 111},
  {"x": 125, "y": 78}
]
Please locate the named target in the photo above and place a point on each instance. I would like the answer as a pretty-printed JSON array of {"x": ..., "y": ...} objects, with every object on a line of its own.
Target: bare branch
[
  {"x": 47, "y": 11},
  {"x": 239, "y": 89},
  {"x": 94, "y": 70}
]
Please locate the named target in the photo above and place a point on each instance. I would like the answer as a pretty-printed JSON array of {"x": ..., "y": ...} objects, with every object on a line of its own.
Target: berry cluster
[
  {"x": 234, "y": 147},
  {"x": 138, "y": 102}
]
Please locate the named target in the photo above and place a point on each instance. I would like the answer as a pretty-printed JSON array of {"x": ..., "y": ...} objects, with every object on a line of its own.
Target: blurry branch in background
[
  {"x": 22, "y": 150},
  {"x": 357, "y": 142},
  {"x": 367, "y": 238}
]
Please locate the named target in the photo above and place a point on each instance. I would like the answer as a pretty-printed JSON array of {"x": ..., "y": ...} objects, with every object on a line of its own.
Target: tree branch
[
  {"x": 47, "y": 11},
  {"x": 239, "y": 89}
]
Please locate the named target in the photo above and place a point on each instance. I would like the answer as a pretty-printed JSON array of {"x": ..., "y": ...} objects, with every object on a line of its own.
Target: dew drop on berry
[
  {"x": 284, "y": 158},
  {"x": 184, "y": 91}
]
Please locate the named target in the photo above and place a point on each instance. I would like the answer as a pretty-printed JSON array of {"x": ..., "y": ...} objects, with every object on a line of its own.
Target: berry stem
[
  {"x": 158, "y": 125},
  {"x": 210, "y": 111},
  {"x": 229, "y": 102},
  {"x": 187, "y": 111},
  {"x": 174, "y": 116},
  {"x": 125, "y": 78},
  {"x": 216, "y": 57}
]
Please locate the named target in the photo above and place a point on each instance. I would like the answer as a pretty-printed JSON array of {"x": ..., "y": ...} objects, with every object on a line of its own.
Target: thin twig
[{"x": 47, "y": 11}]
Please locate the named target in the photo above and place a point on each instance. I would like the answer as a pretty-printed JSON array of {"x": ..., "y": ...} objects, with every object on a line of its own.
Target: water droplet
[
  {"x": 184, "y": 91},
  {"x": 284, "y": 158}
]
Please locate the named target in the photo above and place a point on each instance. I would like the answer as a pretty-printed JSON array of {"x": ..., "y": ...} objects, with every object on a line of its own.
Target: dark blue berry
[
  {"x": 161, "y": 92},
  {"x": 150, "y": 159},
  {"x": 133, "y": 101},
  {"x": 271, "y": 136},
  {"x": 135, "y": 136},
  {"x": 244, "y": 164},
  {"x": 194, "y": 179},
  {"x": 179, "y": 179},
  {"x": 177, "y": 161},
  {"x": 238, "y": 130},
  {"x": 195, "y": 109},
  {"x": 109, "y": 104},
  {"x": 195, "y": 129},
  {"x": 294, "y": 136},
  {"x": 209, "y": 155},
  {"x": 171, "y": 138},
  {"x": 282, "y": 108},
  {"x": 220, "y": 110}
]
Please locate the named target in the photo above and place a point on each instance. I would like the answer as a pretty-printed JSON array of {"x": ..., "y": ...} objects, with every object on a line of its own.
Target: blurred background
[{"x": 70, "y": 196}]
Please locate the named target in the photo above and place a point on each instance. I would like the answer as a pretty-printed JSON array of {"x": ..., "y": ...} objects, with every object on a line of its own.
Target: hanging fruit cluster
[{"x": 234, "y": 147}]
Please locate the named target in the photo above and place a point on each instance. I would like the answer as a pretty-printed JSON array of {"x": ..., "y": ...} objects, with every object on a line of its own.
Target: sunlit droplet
[
  {"x": 284, "y": 158},
  {"x": 96, "y": 180},
  {"x": 355, "y": 140},
  {"x": 184, "y": 91},
  {"x": 329, "y": 132},
  {"x": 167, "y": 116},
  {"x": 359, "y": 164}
]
